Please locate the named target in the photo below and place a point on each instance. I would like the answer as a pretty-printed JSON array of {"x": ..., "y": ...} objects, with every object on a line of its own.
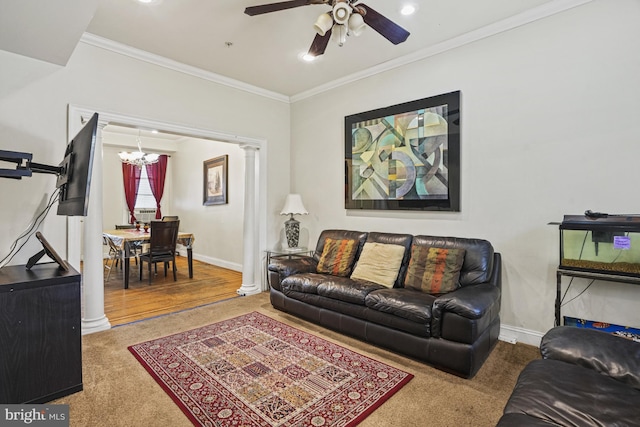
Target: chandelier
[{"x": 138, "y": 158}]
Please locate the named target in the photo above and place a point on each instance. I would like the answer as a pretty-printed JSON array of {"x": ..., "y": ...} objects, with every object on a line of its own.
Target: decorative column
[
  {"x": 94, "y": 319},
  {"x": 250, "y": 235}
]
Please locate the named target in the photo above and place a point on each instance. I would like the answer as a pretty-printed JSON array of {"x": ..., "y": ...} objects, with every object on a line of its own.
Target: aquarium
[{"x": 608, "y": 244}]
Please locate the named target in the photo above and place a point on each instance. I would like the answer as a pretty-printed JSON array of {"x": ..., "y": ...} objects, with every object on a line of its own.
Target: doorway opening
[{"x": 254, "y": 241}]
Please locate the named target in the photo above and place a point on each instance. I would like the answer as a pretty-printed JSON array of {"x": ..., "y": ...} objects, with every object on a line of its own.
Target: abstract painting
[{"x": 406, "y": 156}]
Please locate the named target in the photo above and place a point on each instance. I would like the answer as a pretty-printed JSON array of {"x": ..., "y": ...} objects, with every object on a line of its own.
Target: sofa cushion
[
  {"x": 379, "y": 263},
  {"x": 434, "y": 270},
  {"x": 564, "y": 394},
  {"x": 347, "y": 290},
  {"x": 305, "y": 282},
  {"x": 337, "y": 257},
  {"x": 406, "y": 303}
]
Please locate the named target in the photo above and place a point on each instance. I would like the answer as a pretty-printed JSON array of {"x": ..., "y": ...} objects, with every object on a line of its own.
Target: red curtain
[
  {"x": 156, "y": 173},
  {"x": 131, "y": 179}
]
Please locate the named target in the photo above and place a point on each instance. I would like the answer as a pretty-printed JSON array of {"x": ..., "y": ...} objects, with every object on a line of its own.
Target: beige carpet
[{"x": 119, "y": 392}]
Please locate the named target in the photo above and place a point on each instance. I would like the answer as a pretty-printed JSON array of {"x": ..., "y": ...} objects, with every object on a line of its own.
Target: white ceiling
[
  {"x": 45, "y": 30},
  {"x": 264, "y": 50}
]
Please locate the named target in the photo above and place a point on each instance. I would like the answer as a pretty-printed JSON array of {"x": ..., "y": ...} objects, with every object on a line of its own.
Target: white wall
[
  {"x": 218, "y": 228},
  {"x": 549, "y": 127},
  {"x": 34, "y": 97}
]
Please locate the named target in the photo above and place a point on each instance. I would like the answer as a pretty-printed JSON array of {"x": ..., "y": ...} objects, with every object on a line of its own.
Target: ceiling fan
[{"x": 345, "y": 18}]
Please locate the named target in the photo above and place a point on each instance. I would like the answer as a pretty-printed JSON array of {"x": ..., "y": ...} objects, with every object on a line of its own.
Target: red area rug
[{"x": 255, "y": 371}]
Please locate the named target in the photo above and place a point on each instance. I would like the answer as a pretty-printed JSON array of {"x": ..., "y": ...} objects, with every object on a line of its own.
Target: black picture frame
[
  {"x": 215, "y": 185},
  {"x": 405, "y": 157}
]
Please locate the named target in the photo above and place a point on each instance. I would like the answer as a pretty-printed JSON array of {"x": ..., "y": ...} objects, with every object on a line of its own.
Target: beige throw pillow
[{"x": 379, "y": 263}]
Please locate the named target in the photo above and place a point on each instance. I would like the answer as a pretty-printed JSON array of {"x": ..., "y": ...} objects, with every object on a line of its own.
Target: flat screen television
[
  {"x": 74, "y": 172},
  {"x": 74, "y": 178}
]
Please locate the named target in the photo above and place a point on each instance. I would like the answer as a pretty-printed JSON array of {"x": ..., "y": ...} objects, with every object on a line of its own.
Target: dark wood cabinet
[{"x": 40, "y": 334}]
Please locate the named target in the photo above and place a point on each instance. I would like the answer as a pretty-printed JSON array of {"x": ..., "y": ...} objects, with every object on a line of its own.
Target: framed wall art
[
  {"x": 215, "y": 181},
  {"x": 405, "y": 157}
]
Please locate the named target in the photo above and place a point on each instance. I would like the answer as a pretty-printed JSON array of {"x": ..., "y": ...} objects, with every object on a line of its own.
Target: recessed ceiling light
[
  {"x": 148, "y": 1},
  {"x": 408, "y": 9}
]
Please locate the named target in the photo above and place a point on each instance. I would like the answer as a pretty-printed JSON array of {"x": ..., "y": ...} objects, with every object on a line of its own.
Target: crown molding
[
  {"x": 543, "y": 11},
  {"x": 531, "y": 15},
  {"x": 101, "y": 42}
]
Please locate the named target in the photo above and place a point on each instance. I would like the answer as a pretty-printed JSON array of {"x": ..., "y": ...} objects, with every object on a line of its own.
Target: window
[{"x": 145, "y": 199}]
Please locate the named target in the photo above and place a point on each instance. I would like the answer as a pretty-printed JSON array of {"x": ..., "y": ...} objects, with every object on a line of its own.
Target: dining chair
[
  {"x": 162, "y": 246},
  {"x": 114, "y": 256},
  {"x": 137, "y": 248}
]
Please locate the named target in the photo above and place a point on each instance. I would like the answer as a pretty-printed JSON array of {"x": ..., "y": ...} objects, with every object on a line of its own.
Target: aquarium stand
[{"x": 586, "y": 275}]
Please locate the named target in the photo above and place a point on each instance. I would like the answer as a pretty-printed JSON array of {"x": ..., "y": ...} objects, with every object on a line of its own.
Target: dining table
[{"x": 128, "y": 239}]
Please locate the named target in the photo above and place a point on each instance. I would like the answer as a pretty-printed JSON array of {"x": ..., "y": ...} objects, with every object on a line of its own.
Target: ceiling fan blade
[
  {"x": 387, "y": 28},
  {"x": 320, "y": 44},
  {"x": 275, "y": 7}
]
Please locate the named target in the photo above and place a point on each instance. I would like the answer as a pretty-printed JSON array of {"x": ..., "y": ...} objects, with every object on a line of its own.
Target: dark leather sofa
[
  {"x": 585, "y": 378},
  {"x": 454, "y": 332}
]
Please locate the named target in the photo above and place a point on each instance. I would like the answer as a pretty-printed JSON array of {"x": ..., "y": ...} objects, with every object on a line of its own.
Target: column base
[
  {"x": 89, "y": 326},
  {"x": 248, "y": 290}
]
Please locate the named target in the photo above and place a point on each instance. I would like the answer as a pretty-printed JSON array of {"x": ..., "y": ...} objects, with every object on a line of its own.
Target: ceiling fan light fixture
[
  {"x": 339, "y": 34},
  {"x": 341, "y": 13},
  {"x": 356, "y": 24},
  {"x": 323, "y": 24}
]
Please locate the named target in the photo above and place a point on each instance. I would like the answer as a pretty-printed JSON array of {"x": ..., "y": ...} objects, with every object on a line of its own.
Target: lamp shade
[
  {"x": 293, "y": 206},
  {"x": 323, "y": 24},
  {"x": 356, "y": 24}
]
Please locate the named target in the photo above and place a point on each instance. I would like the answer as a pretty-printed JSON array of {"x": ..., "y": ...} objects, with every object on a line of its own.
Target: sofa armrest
[
  {"x": 603, "y": 352},
  {"x": 472, "y": 302},
  {"x": 287, "y": 267}
]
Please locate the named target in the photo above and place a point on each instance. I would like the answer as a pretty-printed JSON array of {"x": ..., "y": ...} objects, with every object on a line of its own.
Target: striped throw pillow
[
  {"x": 337, "y": 257},
  {"x": 434, "y": 270}
]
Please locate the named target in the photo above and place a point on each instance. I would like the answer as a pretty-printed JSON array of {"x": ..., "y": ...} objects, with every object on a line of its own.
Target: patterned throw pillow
[
  {"x": 434, "y": 270},
  {"x": 337, "y": 257},
  {"x": 379, "y": 263}
]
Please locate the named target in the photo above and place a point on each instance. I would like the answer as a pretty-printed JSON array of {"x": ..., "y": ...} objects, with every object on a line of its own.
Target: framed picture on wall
[
  {"x": 215, "y": 181},
  {"x": 405, "y": 157}
]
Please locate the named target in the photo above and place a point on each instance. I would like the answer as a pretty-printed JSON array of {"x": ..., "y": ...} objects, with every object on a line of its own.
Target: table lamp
[{"x": 293, "y": 206}]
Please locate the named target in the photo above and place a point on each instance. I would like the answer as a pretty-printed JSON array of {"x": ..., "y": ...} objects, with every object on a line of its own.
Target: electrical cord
[
  {"x": 584, "y": 241},
  {"x": 581, "y": 292},
  {"x": 30, "y": 230},
  {"x": 562, "y": 302}
]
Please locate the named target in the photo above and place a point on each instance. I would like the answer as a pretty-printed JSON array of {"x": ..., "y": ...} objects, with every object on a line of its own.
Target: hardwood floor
[{"x": 209, "y": 284}]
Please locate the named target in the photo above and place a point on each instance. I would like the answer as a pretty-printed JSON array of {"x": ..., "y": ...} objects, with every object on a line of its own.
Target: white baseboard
[
  {"x": 513, "y": 334},
  {"x": 213, "y": 261}
]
